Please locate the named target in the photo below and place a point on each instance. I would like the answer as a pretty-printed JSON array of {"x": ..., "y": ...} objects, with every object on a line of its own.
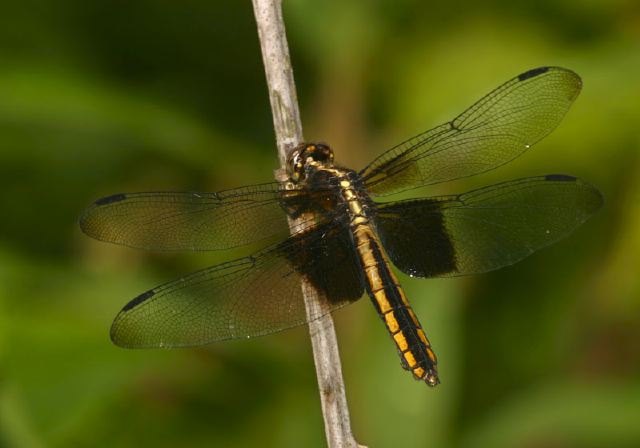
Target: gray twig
[{"x": 286, "y": 121}]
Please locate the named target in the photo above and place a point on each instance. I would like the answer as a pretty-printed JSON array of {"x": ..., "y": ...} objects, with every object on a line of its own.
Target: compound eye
[{"x": 323, "y": 153}]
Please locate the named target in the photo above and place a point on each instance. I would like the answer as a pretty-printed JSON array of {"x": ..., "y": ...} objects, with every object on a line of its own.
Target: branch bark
[{"x": 288, "y": 130}]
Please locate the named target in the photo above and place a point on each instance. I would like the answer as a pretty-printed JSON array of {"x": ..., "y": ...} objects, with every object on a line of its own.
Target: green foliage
[{"x": 101, "y": 97}]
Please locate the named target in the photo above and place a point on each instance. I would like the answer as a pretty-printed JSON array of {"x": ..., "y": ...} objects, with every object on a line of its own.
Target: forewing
[
  {"x": 485, "y": 229},
  {"x": 495, "y": 130},
  {"x": 248, "y": 297},
  {"x": 172, "y": 221}
]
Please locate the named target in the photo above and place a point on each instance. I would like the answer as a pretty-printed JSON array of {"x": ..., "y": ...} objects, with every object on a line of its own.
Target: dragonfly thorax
[{"x": 307, "y": 158}]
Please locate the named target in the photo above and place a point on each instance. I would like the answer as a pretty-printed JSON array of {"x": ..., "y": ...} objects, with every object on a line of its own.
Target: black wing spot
[
  {"x": 416, "y": 238},
  {"x": 138, "y": 300},
  {"x": 111, "y": 199},
  {"x": 532, "y": 73},
  {"x": 560, "y": 177}
]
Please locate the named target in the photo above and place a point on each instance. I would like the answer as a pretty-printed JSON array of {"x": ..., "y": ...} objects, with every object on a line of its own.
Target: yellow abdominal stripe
[
  {"x": 383, "y": 302},
  {"x": 401, "y": 341},
  {"x": 431, "y": 355},
  {"x": 423, "y": 337},
  {"x": 392, "y": 323},
  {"x": 411, "y": 360},
  {"x": 419, "y": 372}
]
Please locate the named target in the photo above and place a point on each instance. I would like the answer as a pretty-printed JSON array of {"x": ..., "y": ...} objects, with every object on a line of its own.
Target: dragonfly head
[{"x": 308, "y": 157}]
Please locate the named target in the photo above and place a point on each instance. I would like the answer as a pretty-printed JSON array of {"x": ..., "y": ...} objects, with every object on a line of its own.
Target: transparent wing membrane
[
  {"x": 248, "y": 297},
  {"x": 493, "y": 131},
  {"x": 187, "y": 221}
]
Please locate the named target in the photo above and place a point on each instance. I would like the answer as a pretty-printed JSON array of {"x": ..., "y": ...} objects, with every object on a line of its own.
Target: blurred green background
[{"x": 101, "y": 97}]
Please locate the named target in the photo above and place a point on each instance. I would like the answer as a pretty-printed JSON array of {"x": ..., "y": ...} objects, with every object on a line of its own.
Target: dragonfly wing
[
  {"x": 248, "y": 297},
  {"x": 172, "y": 221},
  {"x": 495, "y": 130},
  {"x": 484, "y": 229}
]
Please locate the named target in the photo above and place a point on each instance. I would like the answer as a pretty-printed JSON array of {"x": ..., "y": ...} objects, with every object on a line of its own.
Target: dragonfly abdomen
[
  {"x": 383, "y": 287},
  {"x": 393, "y": 307}
]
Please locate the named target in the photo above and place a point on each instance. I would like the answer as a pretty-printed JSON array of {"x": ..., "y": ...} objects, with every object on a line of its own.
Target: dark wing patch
[
  {"x": 248, "y": 297},
  {"x": 325, "y": 256},
  {"x": 416, "y": 238},
  {"x": 495, "y": 130},
  {"x": 485, "y": 229}
]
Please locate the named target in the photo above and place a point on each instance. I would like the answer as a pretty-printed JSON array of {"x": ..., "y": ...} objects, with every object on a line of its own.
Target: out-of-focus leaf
[{"x": 569, "y": 414}]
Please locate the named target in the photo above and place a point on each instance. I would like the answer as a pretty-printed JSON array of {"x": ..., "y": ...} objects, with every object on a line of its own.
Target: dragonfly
[{"x": 346, "y": 242}]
